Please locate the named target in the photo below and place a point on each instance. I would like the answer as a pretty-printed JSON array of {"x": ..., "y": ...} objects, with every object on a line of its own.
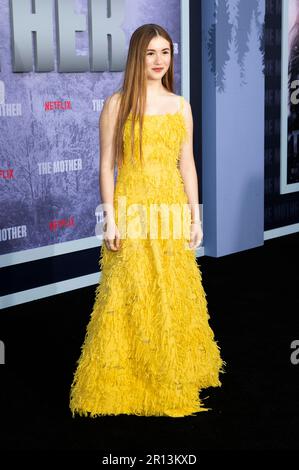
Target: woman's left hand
[{"x": 196, "y": 235}]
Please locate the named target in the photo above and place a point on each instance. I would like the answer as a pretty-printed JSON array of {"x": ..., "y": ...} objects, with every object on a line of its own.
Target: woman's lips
[{"x": 158, "y": 69}]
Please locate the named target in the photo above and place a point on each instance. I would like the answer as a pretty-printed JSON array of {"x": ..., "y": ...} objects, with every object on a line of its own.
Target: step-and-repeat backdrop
[{"x": 59, "y": 60}]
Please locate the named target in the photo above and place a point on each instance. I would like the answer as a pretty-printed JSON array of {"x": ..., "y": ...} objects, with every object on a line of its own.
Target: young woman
[{"x": 149, "y": 348}]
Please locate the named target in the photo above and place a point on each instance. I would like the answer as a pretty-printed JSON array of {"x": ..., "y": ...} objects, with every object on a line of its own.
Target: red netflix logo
[
  {"x": 7, "y": 174},
  {"x": 61, "y": 223},
  {"x": 62, "y": 105}
]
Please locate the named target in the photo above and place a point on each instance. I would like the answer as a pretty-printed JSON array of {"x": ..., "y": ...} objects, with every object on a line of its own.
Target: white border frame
[
  {"x": 48, "y": 251},
  {"x": 185, "y": 49},
  {"x": 284, "y": 186}
]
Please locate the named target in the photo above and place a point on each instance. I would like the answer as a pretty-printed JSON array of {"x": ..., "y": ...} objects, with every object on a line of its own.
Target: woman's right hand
[{"x": 111, "y": 235}]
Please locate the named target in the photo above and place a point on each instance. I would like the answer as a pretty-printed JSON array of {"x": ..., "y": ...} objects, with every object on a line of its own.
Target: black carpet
[{"x": 253, "y": 301}]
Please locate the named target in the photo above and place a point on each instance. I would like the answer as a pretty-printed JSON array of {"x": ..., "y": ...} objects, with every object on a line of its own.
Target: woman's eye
[{"x": 151, "y": 53}]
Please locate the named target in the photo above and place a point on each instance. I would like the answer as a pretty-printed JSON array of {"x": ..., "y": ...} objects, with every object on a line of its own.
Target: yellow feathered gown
[{"x": 148, "y": 348}]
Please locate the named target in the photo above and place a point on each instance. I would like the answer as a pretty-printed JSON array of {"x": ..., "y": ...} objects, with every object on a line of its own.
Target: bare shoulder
[
  {"x": 111, "y": 105},
  {"x": 184, "y": 105},
  {"x": 187, "y": 106},
  {"x": 187, "y": 110},
  {"x": 114, "y": 99}
]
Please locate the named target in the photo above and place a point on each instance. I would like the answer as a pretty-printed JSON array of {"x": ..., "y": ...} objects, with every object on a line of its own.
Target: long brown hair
[{"x": 133, "y": 90}]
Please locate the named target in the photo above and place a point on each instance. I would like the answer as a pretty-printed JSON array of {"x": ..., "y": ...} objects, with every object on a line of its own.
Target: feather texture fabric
[{"x": 148, "y": 349}]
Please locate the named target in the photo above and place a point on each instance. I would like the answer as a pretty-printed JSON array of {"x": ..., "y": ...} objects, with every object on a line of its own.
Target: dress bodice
[
  {"x": 158, "y": 176},
  {"x": 162, "y": 138}
]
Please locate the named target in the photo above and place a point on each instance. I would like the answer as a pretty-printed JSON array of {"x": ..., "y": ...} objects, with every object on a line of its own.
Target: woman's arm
[
  {"x": 107, "y": 158},
  {"x": 187, "y": 166},
  {"x": 107, "y": 161}
]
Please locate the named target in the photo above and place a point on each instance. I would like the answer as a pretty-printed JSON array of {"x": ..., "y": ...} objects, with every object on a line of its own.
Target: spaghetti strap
[{"x": 181, "y": 104}]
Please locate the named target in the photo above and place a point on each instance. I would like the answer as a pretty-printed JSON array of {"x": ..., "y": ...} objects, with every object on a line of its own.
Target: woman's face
[{"x": 158, "y": 56}]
